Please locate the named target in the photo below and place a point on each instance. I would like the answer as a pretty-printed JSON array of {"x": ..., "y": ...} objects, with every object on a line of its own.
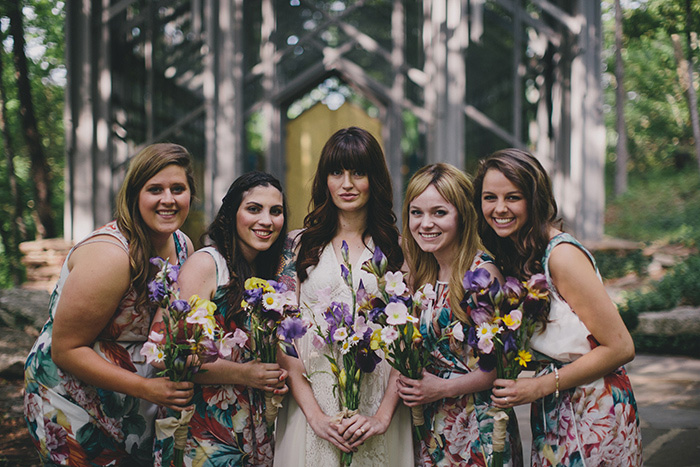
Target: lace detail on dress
[{"x": 326, "y": 275}]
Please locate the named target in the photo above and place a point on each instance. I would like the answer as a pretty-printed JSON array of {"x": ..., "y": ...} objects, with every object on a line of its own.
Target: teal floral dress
[
  {"x": 228, "y": 427},
  {"x": 592, "y": 425},
  {"x": 459, "y": 429},
  {"x": 73, "y": 423}
]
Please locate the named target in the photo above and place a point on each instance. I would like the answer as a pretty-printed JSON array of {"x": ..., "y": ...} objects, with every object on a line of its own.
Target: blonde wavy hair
[
  {"x": 144, "y": 166},
  {"x": 457, "y": 189}
]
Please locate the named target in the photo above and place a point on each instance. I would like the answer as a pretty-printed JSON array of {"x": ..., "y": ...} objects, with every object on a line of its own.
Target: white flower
[
  {"x": 394, "y": 283},
  {"x": 484, "y": 331},
  {"x": 273, "y": 301},
  {"x": 360, "y": 325},
  {"x": 486, "y": 344},
  {"x": 318, "y": 342},
  {"x": 389, "y": 334},
  {"x": 340, "y": 334},
  {"x": 458, "y": 332},
  {"x": 152, "y": 353},
  {"x": 289, "y": 298},
  {"x": 199, "y": 316},
  {"x": 396, "y": 313},
  {"x": 155, "y": 337},
  {"x": 345, "y": 347}
]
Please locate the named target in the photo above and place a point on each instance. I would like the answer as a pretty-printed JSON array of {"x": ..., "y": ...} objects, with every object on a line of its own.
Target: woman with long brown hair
[
  {"x": 351, "y": 202},
  {"x": 89, "y": 394}
]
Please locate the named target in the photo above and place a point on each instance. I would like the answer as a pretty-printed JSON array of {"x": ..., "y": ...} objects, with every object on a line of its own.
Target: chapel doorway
[{"x": 306, "y": 136}]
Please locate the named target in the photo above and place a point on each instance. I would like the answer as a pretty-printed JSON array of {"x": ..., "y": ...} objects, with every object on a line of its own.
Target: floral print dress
[
  {"x": 73, "y": 423},
  {"x": 459, "y": 429},
  {"x": 591, "y": 425},
  {"x": 228, "y": 426}
]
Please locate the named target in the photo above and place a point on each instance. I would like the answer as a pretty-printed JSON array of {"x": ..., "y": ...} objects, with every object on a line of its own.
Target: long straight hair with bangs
[
  {"x": 223, "y": 234},
  {"x": 350, "y": 149},
  {"x": 520, "y": 258},
  {"x": 456, "y": 188},
  {"x": 144, "y": 166}
]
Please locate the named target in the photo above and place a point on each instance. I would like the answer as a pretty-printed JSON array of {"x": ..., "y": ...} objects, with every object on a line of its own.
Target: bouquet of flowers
[
  {"x": 352, "y": 341},
  {"x": 190, "y": 337},
  {"x": 275, "y": 321},
  {"x": 503, "y": 319},
  {"x": 400, "y": 333}
]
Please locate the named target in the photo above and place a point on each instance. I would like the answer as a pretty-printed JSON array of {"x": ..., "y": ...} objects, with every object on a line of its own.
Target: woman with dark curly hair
[
  {"x": 245, "y": 239},
  {"x": 351, "y": 202},
  {"x": 583, "y": 408}
]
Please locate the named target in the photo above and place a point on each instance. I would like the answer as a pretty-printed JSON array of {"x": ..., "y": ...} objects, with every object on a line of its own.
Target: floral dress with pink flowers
[
  {"x": 228, "y": 427},
  {"x": 460, "y": 428},
  {"x": 592, "y": 425},
  {"x": 73, "y": 423}
]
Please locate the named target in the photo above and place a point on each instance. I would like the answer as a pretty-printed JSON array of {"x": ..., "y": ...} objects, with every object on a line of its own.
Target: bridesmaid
[
  {"x": 89, "y": 394},
  {"x": 583, "y": 408},
  {"x": 441, "y": 244},
  {"x": 245, "y": 239}
]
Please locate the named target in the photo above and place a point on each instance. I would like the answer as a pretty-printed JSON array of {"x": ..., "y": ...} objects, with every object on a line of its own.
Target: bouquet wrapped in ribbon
[
  {"x": 275, "y": 321},
  {"x": 351, "y": 341},
  {"x": 189, "y": 338},
  {"x": 503, "y": 319}
]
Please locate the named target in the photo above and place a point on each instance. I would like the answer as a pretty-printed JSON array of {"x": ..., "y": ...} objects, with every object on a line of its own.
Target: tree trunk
[
  {"x": 41, "y": 175},
  {"x": 692, "y": 97},
  {"x": 16, "y": 231},
  {"x": 621, "y": 149}
]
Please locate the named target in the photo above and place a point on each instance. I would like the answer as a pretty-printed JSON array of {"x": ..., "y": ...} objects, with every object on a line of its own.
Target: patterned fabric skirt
[{"x": 592, "y": 425}]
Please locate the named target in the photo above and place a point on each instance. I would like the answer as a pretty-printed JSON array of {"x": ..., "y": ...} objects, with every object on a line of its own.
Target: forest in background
[{"x": 657, "y": 49}]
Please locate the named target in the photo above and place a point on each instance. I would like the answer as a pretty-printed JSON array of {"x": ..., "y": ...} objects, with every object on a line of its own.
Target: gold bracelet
[{"x": 556, "y": 382}]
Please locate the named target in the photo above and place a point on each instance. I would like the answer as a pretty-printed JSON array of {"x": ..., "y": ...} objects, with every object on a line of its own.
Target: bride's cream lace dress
[{"x": 296, "y": 443}]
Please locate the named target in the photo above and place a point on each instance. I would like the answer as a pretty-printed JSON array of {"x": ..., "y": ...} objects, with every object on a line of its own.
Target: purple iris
[
  {"x": 344, "y": 251},
  {"x": 509, "y": 344},
  {"x": 179, "y": 308},
  {"x": 278, "y": 286},
  {"x": 513, "y": 293},
  {"x": 208, "y": 351},
  {"x": 476, "y": 281},
  {"x": 366, "y": 359},
  {"x": 379, "y": 262},
  {"x": 487, "y": 362},
  {"x": 345, "y": 273},
  {"x": 157, "y": 292},
  {"x": 290, "y": 329},
  {"x": 173, "y": 272},
  {"x": 253, "y": 296}
]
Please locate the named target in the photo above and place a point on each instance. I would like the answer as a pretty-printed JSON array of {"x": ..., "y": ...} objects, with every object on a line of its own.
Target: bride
[{"x": 352, "y": 202}]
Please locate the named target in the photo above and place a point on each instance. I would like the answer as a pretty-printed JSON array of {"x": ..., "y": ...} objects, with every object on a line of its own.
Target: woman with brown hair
[
  {"x": 90, "y": 397},
  {"x": 583, "y": 408},
  {"x": 351, "y": 202}
]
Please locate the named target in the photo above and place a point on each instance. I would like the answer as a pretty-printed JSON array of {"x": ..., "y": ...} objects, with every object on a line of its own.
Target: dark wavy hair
[
  {"x": 144, "y": 166},
  {"x": 222, "y": 233},
  {"x": 350, "y": 149},
  {"x": 521, "y": 257}
]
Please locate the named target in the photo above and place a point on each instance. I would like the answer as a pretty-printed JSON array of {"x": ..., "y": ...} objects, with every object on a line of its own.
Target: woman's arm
[
  {"x": 98, "y": 279},
  {"x": 575, "y": 279},
  {"x": 431, "y": 388}
]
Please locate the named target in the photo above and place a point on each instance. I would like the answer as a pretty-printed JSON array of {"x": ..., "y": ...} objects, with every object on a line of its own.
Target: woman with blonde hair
[
  {"x": 90, "y": 397},
  {"x": 441, "y": 243}
]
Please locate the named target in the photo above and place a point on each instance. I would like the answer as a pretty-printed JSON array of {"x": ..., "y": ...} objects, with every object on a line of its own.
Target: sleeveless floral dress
[
  {"x": 72, "y": 423},
  {"x": 228, "y": 425},
  {"x": 596, "y": 424},
  {"x": 460, "y": 428},
  {"x": 296, "y": 443}
]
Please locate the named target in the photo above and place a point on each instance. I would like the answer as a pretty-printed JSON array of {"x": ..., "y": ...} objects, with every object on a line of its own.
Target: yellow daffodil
[
  {"x": 342, "y": 379},
  {"x": 523, "y": 357}
]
